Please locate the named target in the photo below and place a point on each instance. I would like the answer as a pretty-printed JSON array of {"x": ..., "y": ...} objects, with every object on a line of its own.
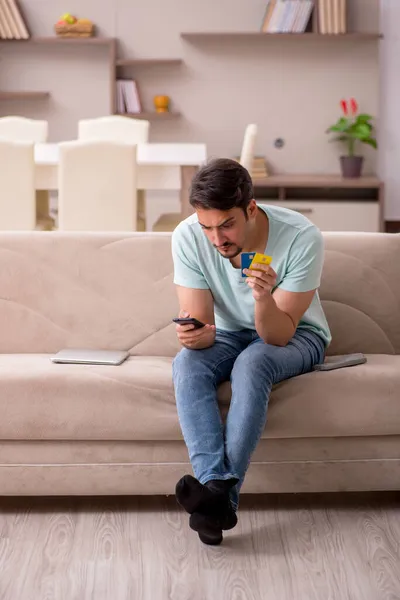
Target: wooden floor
[{"x": 294, "y": 548}]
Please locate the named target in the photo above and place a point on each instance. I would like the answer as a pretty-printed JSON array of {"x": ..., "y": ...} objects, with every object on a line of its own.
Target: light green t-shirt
[{"x": 297, "y": 250}]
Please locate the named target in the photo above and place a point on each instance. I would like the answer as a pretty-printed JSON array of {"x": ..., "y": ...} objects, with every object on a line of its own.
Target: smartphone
[
  {"x": 189, "y": 321},
  {"x": 339, "y": 362}
]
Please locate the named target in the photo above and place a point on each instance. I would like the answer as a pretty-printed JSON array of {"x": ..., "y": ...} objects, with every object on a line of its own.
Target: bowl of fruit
[{"x": 70, "y": 26}]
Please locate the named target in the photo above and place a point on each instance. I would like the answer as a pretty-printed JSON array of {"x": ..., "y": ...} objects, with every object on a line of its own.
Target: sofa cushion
[
  {"x": 40, "y": 400},
  {"x": 43, "y": 400},
  {"x": 357, "y": 401}
]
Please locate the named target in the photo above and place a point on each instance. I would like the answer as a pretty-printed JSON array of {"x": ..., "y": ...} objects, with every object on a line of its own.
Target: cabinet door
[{"x": 335, "y": 216}]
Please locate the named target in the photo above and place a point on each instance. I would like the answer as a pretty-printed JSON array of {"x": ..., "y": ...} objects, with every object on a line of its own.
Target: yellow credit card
[{"x": 261, "y": 259}]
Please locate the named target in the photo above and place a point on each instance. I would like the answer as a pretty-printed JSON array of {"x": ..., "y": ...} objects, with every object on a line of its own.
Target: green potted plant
[{"x": 351, "y": 128}]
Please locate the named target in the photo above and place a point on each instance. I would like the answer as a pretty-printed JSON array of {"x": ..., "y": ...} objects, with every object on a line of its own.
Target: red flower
[
  {"x": 343, "y": 104},
  {"x": 354, "y": 106}
]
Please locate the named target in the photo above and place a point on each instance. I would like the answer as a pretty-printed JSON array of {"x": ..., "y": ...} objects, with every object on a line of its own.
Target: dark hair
[{"x": 221, "y": 184}]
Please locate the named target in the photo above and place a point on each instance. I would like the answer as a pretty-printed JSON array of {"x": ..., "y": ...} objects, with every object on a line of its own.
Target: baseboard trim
[{"x": 392, "y": 226}]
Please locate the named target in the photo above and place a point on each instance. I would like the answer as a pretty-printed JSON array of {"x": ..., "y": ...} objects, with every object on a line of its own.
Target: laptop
[{"x": 90, "y": 357}]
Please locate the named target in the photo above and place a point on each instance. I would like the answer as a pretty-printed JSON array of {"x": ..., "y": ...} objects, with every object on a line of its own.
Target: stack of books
[
  {"x": 12, "y": 25},
  {"x": 259, "y": 169},
  {"x": 332, "y": 16},
  {"x": 287, "y": 16},
  {"x": 128, "y": 98}
]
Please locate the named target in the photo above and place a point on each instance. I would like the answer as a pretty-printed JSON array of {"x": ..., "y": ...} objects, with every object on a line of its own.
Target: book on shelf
[
  {"x": 6, "y": 32},
  {"x": 10, "y": 19},
  {"x": 322, "y": 17},
  {"x": 12, "y": 25},
  {"x": 128, "y": 97},
  {"x": 332, "y": 17},
  {"x": 269, "y": 9},
  {"x": 343, "y": 16},
  {"x": 19, "y": 21},
  {"x": 329, "y": 16},
  {"x": 287, "y": 16}
]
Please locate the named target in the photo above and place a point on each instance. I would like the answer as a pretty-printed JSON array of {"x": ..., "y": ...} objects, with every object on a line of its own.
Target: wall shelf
[
  {"x": 320, "y": 181},
  {"x": 259, "y": 35},
  {"x": 57, "y": 40},
  {"x": 152, "y": 116},
  {"x": 24, "y": 95},
  {"x": 109, "y": 43},
  {"x": 148, "y": 62}
]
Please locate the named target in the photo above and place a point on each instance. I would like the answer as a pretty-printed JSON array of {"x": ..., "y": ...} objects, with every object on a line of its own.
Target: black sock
[
  {"x": 194, "y": 496},
  {"x": 209, "y": 506},
  {"x": 210, "y": 499},
  {"x": 221, "y": 486}
]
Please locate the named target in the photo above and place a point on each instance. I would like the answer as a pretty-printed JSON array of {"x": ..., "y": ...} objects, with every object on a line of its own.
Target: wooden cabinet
[
  {"x": 337, "y": 216},
  {"x": 331, "y": 202}
]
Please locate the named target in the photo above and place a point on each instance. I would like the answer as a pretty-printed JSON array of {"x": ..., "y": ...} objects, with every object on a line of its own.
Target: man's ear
[{"x": 252, "y": 209}]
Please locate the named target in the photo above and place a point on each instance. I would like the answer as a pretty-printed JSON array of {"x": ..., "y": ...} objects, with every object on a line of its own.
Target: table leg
[
  {"x": 141, "y": 210},
  {"x": 43, "y": 218},
  {"x": 187, "y": 174}
]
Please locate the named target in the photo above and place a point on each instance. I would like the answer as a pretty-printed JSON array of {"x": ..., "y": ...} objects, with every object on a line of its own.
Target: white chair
[
  {"x": 97, "y": 186},
  {"x": 21, "y": 129},
  {"x": 114, "y": 128},
  {"x": 17, "y": 186},
  {"x": 248, "y": 147},
  {"x": 117, "y": 128}
]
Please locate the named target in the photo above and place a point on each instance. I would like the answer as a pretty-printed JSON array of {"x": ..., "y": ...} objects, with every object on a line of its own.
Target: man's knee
[
  {"x": 182, "y": 361},
  {"x": 255, "y": 361},
  {"x": 187, "y": 363}
]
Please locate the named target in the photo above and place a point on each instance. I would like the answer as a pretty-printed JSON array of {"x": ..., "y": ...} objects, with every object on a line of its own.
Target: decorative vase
[
  {"x": 351, "y": 166},
  {"x": 161, "y": 103}
]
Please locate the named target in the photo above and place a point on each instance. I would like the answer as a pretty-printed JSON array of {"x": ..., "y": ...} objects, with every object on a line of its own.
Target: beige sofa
[{"x": 73, "y": 429}]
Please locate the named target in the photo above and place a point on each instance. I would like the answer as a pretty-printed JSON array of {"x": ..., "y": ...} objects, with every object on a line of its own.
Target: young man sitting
[{"x": 259, "y": 330}]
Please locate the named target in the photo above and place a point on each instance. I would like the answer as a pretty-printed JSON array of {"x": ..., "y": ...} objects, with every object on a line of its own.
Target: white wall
[
  {"x": 290, "y": 88},
  {"x": 389, "y": 154}
]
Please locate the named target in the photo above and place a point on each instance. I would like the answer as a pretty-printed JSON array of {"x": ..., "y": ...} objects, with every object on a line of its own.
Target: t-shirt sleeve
[
  {"x": 305, "y": 262},
  {"x": 187, "y": 272}
]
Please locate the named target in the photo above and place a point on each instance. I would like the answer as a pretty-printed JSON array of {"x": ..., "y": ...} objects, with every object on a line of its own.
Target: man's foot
[
  {"x": 229, "y": 518},
  {"x": 211, "y": 498},
  {"x": 208, "y": 528},
  {"x": 192, "y": 495},
  {"x": 209, "y": 506}
]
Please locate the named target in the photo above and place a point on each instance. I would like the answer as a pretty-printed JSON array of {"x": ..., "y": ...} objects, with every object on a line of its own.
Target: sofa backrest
[
  {"x": 360, "y": 291},
  {"x": 115, "y": 291}
]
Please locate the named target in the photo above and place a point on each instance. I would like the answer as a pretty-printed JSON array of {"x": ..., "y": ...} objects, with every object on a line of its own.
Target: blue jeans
[{"x": 219, "y": 451}]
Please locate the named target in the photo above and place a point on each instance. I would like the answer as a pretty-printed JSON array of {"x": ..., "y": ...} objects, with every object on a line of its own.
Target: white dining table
[{"x": 160, "y": 167}]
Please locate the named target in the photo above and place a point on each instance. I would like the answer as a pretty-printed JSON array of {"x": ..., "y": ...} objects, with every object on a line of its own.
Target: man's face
[{"x": 226, "y": 230}]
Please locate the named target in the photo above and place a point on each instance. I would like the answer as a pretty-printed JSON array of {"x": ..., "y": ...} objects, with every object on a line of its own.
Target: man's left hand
[{"x": 261, "y": 279}]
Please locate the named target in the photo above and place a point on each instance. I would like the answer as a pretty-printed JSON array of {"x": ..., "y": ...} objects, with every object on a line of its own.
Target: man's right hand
[{"x": 195, "y": 339}]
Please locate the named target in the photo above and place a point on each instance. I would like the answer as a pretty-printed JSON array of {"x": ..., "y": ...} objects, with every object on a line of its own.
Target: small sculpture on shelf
[
  {"x": 70, "y": 26},
  {"x": 161, "y": 103}
]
